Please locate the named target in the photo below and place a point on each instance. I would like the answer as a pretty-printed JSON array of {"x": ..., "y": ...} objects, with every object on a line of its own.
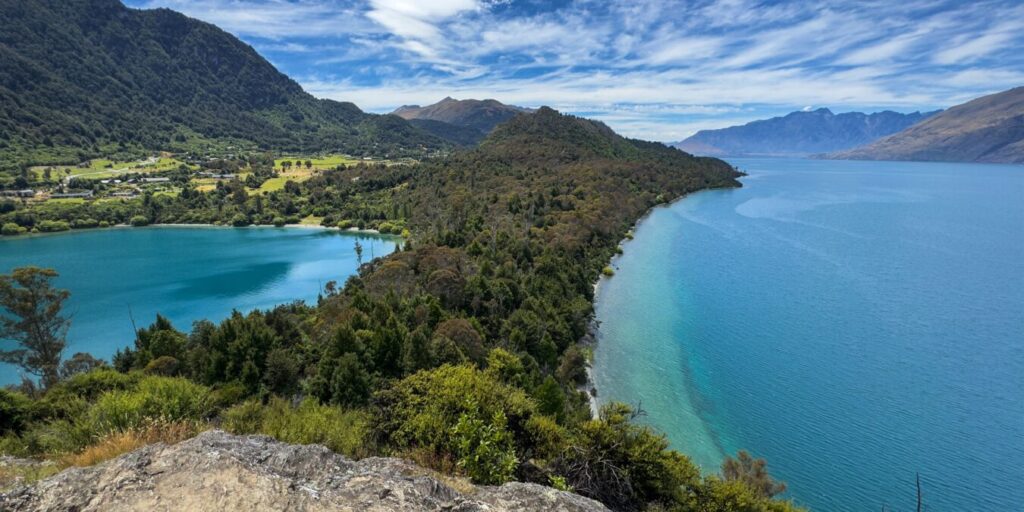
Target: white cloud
[{"x": 657, "y": 65}]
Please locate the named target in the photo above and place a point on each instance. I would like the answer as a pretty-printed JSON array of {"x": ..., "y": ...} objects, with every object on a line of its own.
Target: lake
[
  {"x": 854, "y": 323},
  {"x": 183, "y": 273}
]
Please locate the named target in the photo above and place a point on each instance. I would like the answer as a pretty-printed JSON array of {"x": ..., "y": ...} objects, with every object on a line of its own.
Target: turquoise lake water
[
  {"x": 852, "y": 322},
  {"x": 183, "y": 273}
]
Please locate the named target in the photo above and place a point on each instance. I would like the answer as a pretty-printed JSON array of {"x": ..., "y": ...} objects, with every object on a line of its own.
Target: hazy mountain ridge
[
  {"x": 988, "y": 129},
  {"x": 800, "y": 133},
  {"x": 481, "y": 116}
]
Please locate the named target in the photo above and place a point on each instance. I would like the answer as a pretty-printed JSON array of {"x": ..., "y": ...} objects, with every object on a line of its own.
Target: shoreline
[
  {"x": 591, "y": 338},
  {"x": 355, "y": 231}
]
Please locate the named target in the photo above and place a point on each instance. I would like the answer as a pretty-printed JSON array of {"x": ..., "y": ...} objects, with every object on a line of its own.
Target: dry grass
[{"x": 119, "y": 443}]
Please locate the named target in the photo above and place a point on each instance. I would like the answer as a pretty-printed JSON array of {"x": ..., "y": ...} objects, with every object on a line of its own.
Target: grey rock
[{"x": 217, "y": 471}]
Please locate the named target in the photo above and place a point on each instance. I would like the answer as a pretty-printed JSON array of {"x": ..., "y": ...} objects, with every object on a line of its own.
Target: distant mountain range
[
  {"x": 464, "y": 122},
  {"x": 800, "y": 133},
  {"x": 987, "y": 129},
  {"x": 85, "y": 77}
]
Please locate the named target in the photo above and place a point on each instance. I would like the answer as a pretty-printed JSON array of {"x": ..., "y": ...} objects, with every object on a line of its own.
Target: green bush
[
  {"x": 53, "y": 226},
  {"x": 139, "y": 221},
  {"x": 84, "y": 223},
  {"x": 279, "y": 221},
  {"x": 156, "y": 398},
  {"x": 245, "y": 418},
  {"x": 92, "y": 384},
  {"x": 240, "y": 220},
  {"x": 422, "y": 410},
  {"x": 163, "y": 365},
  {"x": 15, "y": 411},
  {"x": 11, "y": 229},
  {"x": 484, "y": 450},
  {"x": 310, "y": 423}
]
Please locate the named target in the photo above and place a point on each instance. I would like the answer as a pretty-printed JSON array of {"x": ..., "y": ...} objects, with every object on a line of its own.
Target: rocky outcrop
[{"x": 216, "y": 471}]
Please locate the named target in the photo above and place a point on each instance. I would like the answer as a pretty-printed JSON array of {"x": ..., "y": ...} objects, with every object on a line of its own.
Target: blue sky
[{"x": 653, "y": 69}]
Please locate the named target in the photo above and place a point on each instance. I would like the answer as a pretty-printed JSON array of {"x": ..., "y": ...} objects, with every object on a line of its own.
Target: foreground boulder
[{"x": 216, "y": 471}]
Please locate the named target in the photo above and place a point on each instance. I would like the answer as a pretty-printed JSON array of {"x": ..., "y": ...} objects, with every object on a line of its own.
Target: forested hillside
[
  {"x": 83, "y": 78},
  {"x": 460, "y": 352}
]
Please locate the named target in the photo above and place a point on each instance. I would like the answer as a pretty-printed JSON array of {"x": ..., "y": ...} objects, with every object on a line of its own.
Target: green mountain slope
[
  {"x": 78, "y": 77},
  {"x": 988, "y": 129}
]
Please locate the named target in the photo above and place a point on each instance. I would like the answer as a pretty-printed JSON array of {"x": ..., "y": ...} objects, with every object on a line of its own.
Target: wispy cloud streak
[{"x": 657, "y": 69}]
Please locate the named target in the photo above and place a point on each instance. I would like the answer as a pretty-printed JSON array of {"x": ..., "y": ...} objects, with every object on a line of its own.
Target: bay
[{"x": 184, "y": 273}]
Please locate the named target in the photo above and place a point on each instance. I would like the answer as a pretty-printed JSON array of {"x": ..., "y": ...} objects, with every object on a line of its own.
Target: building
[
  {"x": 27, "y": 192},
  {"x": 72, "y": 195}
]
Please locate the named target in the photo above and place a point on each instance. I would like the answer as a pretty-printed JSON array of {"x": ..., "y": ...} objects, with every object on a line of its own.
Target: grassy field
[
  {"x": 319, "y": 163},
  {"x": 102, "y": 168}
]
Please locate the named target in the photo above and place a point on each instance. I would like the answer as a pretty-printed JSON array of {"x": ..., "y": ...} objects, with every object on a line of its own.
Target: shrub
[
  {"x": 163, "y": 365},
  {"x": 608, "y": 271},
  {"x": 139, "y": 221},
  {"x": 422, "y": 410},
  {"x": 484, "y": 450},
  {"x": 279, "y": 221},
  {"x": 245, "y": 418},
  {"x": 15, "y": 411},
  {"x": 344, "y": 224},
  {"x": 239, "y": 220},
  {"x": 310, "y": 423},
  {"x": 156, "y": 398},
  {"x": 90, "y": 385},
  {"x": 624, "y": 465},
  {"x": 84, "y": 223},
  {"x": 11, "y": 229},
  {"x": 53, "y": 226}
]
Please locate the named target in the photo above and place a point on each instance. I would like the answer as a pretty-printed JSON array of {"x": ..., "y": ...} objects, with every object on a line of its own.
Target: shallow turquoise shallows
[
  {"x": 183, "y": 273},
  {"x": 854, "y": 323}
]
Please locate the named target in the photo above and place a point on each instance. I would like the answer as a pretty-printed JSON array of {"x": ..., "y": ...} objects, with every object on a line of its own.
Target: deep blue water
[
  {"x": 183, "y": 273},
  {"x": 852, "y": 322}
]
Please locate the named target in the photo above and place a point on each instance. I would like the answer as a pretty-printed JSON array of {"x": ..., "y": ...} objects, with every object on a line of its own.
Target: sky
[{"x": 651, "y": 69}]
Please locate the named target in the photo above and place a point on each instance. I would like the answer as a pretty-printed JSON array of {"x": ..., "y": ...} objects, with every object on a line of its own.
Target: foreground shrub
[
  {"x": 421, "y": 412},
  {"x": 309, "y": 423},
  {"x": 15, "y": 411},
  {"x": 484, "y": 449},
  {"x": 155, "y": 399}
]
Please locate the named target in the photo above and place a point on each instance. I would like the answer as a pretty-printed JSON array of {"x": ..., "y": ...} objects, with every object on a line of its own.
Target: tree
[
  {"x": 33, "y": 321},
  {"x": 752, "y": 472},
  {"x": 80, "y": 363},
  {"x": 359, "y": 253}
]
